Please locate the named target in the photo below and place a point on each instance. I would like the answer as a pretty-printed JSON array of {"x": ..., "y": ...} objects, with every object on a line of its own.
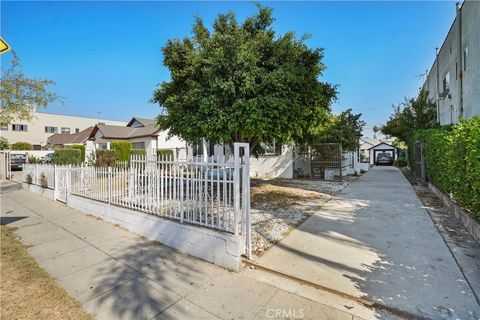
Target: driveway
[{"x": 375, "y": 240}]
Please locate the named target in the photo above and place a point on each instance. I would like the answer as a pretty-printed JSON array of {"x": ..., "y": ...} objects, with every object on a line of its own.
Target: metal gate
[
  {"x": 326, "y": 158},
  {"x": 61, "y": 183},
  {"x": 419, "y": 165}
]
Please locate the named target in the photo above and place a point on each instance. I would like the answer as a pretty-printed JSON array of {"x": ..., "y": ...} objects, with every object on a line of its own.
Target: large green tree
[
  {"x": 412, "y": 114},
  {"x": 19, "y": 94},
  {"x": 242, "y": 82},
  {"x": 345, "y": 128}
]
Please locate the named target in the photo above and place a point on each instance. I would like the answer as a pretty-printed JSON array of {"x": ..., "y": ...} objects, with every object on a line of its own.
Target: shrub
[
  {"x": 139, "y": 152},
  {"x": 33, "y": 160},
  {"x": 452, "y": 159},
  {"x": 80, "y": 147},
  {"x": 123, "y": 149},
  {"x": 106, "y": 158},
  {"x": 21, "y": 146},
  {"x": 401, "y": 162},
  {"x": 43, "y": 180},
  {"x": 67, "y": 156},
  {"x": 29, "y": 179},
  {"x": 162, "y": 153},
  {"x": 4, "y": 143}
]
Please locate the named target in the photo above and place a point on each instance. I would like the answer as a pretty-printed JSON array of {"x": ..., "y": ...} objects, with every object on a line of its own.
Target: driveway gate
[{"x": 325, "y": 158}]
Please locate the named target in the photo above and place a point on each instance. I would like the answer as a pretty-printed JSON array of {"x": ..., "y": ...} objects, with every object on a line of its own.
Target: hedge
[
  {"x": 452, "y": 158},
  {"x": 67, "y": 156},
  {"x": 122, "y": 148},
  {"x": 140, "y": 152},
  {"x": 106, "y": 158},
  {"x": 80, "y": 147},
  {"x": 21, "y": 146},
  {"x": 162, "y": 153}
]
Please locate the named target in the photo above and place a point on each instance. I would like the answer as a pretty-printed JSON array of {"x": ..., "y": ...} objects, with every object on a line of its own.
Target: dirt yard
[{"x": 280, "y": 205}]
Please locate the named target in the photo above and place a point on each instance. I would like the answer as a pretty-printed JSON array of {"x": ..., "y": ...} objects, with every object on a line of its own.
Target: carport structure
[{"x": 382, "y": 147}]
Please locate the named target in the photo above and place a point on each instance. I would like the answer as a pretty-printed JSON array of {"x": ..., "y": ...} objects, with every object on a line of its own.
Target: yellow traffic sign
[{"x": 4, "y": 47}]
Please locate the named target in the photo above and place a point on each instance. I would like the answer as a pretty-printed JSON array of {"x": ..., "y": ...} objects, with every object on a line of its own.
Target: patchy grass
[
  {"x": 263, "y": 193},
  {"x": 28, "y": 291}
]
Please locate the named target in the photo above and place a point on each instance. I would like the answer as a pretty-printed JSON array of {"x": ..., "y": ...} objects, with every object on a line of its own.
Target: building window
[
  {"x": 456, "y": 70},
  {"x": 138, "y": 145},
  {"x": 65, "y": 130},
  {"x": 446, "y": 84},
  {"x": 50, "y": 129},
  {"x": 77, "y": 130},
  {"x": 37, "y": 147},
  {"x": 19, "y": 127},
  {"x": 272, "y": 149},
  {"x": 4, "y": 127}
]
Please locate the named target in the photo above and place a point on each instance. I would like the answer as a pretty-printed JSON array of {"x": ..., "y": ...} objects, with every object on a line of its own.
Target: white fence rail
[{"x": 215, "y": 195}]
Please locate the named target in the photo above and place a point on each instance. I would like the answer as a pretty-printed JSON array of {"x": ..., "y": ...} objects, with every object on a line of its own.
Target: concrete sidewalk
[
  {"x": 118, "y": 275},
  {"x": 376, "y": 241}
]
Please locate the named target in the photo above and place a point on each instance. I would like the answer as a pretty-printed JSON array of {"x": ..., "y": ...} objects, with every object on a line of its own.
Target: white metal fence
[
  {"x": 40, "y": 174},
  {"x": 215, "y": 195}
]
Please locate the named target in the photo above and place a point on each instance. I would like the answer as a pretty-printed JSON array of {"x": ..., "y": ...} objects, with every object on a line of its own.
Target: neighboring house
[
  {"x": 142, "y": 133},
  {"x": 365, "y": 144},
  {"x": 59, "y": 140},
  {"x": 452, "y": 81},
  {"x": 43, "y": 125}
]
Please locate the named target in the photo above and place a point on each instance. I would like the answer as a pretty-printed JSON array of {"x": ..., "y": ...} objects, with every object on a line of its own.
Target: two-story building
[{"x": 453, "y": 82}]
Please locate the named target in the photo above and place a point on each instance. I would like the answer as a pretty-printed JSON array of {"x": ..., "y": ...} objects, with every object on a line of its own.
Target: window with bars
[
  {"x": 19, "y": 127},
  {"x": 271, "y": 149}
]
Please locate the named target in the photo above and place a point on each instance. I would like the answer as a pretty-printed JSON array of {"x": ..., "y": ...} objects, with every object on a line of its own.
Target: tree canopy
[
  {"x": 19, "y": 94},
  {"x": 242, "y": 82},
  {"x": 412, "y": 114},
  {"x": 345, "y": 128}
]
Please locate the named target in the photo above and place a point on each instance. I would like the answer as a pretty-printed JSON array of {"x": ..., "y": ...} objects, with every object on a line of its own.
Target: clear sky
[{"x": 105, "y": 56}]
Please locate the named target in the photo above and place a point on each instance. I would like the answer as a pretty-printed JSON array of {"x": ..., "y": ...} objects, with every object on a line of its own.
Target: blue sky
[{"x": 105, "y": 56}]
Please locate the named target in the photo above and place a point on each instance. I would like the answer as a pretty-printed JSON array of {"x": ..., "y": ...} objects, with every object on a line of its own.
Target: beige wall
[{"x": 36, "y": 134}]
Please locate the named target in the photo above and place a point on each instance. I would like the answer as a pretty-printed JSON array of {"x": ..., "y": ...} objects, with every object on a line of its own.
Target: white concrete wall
[
  {"x": 216, "y": 247},
  {"x": 273, "y": 166},
  {"x": 36, "y": 134}
]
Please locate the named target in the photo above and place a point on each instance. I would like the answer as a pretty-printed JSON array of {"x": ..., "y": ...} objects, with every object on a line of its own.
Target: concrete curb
[{"x": 470, "y": 224}]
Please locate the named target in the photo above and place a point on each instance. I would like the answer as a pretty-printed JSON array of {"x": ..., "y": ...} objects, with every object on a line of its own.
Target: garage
[{"x": 382, "y": 148}]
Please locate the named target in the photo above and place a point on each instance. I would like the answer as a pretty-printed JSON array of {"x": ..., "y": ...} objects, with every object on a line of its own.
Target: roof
[
  {"x": 384, "y": 144},
  {"x": 69, "y": 138},
  {"x": 367, "y": 142},
  {"x": 119, "y": 132},
  {"x": 143, "y": 121}
]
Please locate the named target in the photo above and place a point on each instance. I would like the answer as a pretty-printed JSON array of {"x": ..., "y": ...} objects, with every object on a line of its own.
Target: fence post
[
  {"x": 236, "y": 186},
  {"x": 55, "y": 183},
  {"x": 181, "y": 192},
  {"x": 109, "y": 185},
  {"x": 69, "y": 181}
]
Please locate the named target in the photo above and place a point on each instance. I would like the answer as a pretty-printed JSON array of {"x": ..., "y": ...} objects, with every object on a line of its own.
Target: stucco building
[
  {"x": 453, "y": 82},
  {"x": 43, "y": 125}
]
